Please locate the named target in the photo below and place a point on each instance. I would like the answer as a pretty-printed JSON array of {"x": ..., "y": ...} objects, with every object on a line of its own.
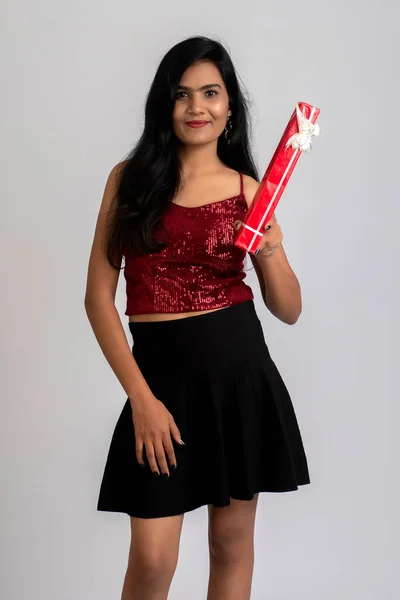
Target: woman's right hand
[{"x": 154, "y": 430}]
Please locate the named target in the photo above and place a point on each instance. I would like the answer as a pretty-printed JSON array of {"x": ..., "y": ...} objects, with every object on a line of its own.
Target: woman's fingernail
[
  {"x": 181, "y": 442},
  {"x": 156, "y": 473},
  {"x": 173, "y": 467},
  {"x": 166, "y": 475},
  {"x": 141, "y": 465}
]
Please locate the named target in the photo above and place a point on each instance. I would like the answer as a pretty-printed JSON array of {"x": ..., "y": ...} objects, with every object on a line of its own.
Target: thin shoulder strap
[{"x": 241, "y": 182}]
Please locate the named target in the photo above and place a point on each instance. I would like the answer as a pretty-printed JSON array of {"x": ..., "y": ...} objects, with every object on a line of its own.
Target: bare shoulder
[
  {"x": 250, "y": 186},
  {"x": 102, "y": 278},
  {"x": 110, "y": 191},
  {"x": 116, "y": 172}
]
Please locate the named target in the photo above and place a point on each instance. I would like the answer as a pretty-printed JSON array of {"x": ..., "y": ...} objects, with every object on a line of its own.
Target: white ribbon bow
[{"x": 302, "y": 139}]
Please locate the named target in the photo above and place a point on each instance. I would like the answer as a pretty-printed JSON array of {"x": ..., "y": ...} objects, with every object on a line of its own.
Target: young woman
[{"x": 208, "y": 419}]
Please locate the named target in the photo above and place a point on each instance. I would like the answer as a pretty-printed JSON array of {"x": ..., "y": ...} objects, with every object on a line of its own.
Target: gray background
[{"x": 74, "y": 78}]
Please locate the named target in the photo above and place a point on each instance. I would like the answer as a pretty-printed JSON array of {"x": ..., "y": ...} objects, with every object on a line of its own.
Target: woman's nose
[{"x": 195, "y": 103}]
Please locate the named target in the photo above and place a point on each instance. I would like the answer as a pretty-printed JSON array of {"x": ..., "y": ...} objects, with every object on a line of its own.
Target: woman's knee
[
  {"x": 231, "y": 532},
  {"x": 154, "y": 549},
  {"x": 229, "y": 544},
  {"x": 151, "y": 566}
]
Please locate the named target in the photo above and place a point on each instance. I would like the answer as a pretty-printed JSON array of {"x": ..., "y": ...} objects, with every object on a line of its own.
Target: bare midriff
[{"x": 170, "y": 316}]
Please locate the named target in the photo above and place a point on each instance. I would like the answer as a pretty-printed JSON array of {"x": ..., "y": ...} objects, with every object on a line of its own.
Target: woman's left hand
[{"x": 271, "y": 239}]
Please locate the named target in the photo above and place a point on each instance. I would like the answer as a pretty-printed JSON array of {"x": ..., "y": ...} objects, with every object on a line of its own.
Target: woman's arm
[
  {"x": 104, "y": 318},
  {"x": 279, "y": 285}
]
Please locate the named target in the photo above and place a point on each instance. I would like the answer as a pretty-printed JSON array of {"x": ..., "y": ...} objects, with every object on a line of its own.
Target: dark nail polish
[
  {"x": 166, "y": 475},
  {"x": 141, "y": 465},
  {"x": 173, "y": 467},
  {"x": 156, "y": 473}
]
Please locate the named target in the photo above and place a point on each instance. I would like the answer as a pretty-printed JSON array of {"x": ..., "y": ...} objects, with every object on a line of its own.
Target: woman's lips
[{"x": 197, "y": 124}]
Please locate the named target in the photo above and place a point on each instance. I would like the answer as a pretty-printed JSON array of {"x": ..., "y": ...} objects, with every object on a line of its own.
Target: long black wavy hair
[{"x": 151, "y": 173}]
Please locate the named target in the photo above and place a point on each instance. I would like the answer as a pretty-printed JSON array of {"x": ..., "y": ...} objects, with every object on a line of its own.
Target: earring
[{"x": 228, "y": 129}]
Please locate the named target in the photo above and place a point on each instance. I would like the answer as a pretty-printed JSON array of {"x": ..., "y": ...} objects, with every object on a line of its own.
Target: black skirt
[{"x": 215, "y": 375}]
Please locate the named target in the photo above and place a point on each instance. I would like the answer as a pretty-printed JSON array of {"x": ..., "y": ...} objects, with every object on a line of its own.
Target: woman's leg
[
  {"x": 153, "y": 556},
  {"x": 231, "y": 545}
]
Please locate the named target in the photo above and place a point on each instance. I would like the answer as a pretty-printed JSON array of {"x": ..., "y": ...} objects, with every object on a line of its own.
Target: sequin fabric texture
[{"x": 199, "y": 269}]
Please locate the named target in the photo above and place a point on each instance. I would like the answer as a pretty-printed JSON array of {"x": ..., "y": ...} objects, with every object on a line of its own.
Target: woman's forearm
[
  {"x": 282, "y": 288},
  {"x": 109, "y": 332}
]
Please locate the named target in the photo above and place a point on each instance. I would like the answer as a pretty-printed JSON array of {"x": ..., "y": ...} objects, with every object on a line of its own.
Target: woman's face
[{"x": 201, "y": 96}]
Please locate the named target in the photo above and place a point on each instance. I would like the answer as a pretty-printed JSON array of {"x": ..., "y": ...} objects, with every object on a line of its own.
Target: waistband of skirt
[{"x": 229, "y": 315}]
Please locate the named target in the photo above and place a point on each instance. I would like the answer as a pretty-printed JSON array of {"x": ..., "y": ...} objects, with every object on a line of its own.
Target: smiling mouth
[{"x": 197, "y": 123}]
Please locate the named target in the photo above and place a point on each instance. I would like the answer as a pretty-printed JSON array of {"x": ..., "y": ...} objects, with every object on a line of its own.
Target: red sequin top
[{"x": 200, "y": 269}]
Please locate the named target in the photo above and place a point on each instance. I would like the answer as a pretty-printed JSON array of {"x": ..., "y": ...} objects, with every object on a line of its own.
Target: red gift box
[{"x": 295, "y": 140}]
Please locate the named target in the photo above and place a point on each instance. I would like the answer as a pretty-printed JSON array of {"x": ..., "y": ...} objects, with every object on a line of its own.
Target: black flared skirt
[{"x": 215, "y": 375}]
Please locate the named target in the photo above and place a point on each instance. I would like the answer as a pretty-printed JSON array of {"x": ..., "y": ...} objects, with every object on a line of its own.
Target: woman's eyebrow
[{"x": 203, "y": 87}]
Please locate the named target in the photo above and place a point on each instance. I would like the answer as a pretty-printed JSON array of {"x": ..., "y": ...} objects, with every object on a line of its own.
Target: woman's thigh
[
  {"x": 155, "y": 543},
  {"x": 231, "y": 529}
]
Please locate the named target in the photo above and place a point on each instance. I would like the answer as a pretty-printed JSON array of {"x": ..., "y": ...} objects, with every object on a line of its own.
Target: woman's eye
[{"x": 212, "y": 92}]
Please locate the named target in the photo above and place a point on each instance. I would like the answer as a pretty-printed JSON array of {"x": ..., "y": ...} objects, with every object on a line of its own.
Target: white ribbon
[
  {"x": 240, "y": 223},
  {"x": 302, "y": 140}
]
